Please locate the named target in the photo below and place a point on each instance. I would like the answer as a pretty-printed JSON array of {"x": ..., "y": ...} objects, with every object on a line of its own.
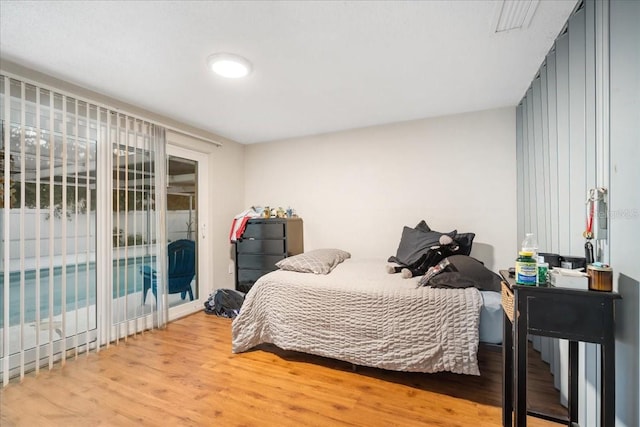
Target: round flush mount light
[{"x": 229, "y": 65}]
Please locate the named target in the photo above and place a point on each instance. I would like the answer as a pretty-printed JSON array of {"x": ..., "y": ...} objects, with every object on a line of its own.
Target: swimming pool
[{"x": 80, "y": 290}]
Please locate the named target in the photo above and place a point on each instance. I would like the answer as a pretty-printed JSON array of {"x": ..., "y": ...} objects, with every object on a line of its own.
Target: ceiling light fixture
[{"x": 229, "y": 65}]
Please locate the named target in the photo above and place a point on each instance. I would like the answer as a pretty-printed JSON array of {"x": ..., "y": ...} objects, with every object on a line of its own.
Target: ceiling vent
[{"x": 513, "y": 14}]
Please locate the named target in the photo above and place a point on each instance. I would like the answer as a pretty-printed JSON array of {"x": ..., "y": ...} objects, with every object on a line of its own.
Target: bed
[{"x": 360, "y": 314}]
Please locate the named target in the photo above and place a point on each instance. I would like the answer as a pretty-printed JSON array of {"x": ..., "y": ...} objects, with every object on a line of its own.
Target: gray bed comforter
[{"x": 361, "y": 314}]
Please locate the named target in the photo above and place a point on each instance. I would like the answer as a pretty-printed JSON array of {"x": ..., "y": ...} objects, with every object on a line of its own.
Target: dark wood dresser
[{"x": 264, "y": 242}]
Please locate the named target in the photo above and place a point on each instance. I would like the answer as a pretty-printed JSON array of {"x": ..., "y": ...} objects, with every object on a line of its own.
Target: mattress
[{"x": 491, "y": 317}]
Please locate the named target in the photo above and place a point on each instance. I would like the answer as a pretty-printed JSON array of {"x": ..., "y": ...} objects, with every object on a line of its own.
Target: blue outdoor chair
[{"x": 181, "y": 268}]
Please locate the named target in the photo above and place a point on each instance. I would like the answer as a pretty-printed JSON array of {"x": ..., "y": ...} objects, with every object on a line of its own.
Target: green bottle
[{"x": 526, "y": 269}]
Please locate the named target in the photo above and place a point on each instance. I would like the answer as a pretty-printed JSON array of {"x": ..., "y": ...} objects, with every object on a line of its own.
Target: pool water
[{"x": 80, "y": 288}]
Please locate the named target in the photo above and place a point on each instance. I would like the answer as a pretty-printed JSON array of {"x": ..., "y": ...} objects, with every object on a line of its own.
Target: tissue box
[{"x": 572, "y": 280}]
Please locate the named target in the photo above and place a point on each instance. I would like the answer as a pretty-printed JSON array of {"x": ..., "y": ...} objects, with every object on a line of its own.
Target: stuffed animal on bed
[{"x": 433, "y": 256}]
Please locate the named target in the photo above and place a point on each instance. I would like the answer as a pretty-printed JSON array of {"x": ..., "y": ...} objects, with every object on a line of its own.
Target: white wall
[{"x": 356, "y": 189}]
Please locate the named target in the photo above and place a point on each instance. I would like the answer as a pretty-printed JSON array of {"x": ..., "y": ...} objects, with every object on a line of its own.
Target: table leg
[
  {"x": 520, "y": 361},
  {"x": 507, "y": 372},
  {"x": 608, "y": 409},
  {"x": 573, "y": 382}
]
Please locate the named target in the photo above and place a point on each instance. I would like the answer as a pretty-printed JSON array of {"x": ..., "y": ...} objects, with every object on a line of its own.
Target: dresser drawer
[
  {"x": 250, "y": 276},
  {"x": 264, "y": 230},
  {"x": 261, "y": 246},
  {"x": 258, "y": 262}
]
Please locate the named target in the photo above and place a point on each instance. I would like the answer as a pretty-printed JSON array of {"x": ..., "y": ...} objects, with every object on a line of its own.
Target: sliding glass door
[
  {"x": 48, "y": 224},
  {"x": 186, "y": 182},
  {"x": 83, "y": 249}
]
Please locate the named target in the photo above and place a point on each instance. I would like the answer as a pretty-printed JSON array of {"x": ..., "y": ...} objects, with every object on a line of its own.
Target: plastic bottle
[
  {"x": 530, "y": 244},
  {"x": 526, "y": 269}
]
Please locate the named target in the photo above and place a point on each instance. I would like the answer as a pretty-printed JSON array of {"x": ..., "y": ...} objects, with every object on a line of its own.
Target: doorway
[{"x": 185, "y": 214}]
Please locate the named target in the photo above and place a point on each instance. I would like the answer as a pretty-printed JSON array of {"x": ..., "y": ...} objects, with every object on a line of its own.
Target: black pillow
[
  {"x": 465, "y": 241},
  {"x": 471, "y": 271},
  {"x": 414, "y": 243},
  {"x": 451, "y": 280},
  {"x": 422, "y": 225}
]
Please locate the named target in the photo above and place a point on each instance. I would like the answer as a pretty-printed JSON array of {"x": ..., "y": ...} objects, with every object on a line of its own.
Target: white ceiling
[{"x": 318, "y": 66}]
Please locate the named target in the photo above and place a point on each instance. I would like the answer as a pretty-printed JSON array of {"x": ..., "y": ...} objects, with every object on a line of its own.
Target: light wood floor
[{"x": 186, "y": 375}]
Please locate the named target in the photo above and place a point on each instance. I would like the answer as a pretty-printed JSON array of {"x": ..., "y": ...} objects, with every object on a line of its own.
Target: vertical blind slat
[
  {"x": 76, "y": 305},
  {"x": 87, "y": 245},
  {"x": 6, "y": 230},
  {"x": 63, "y": 290},
  {"x": 126, "y": 228},
  {"x": 119, "y": 149},
  {"x": 23, "y": 130},
  {"x": 51, "y": 214},
  {"x": 538, "y": 163},
  {"x": 519, "y": 171},
  {"x": 545, "y": 155},
  {"x": 37, "y": 229},
  {"x": 109, "y": 294},
  {"x": 135, "y": 222},
  {"x": 564, "y": 165},
  {"x": 553, "y": 151},
  {"x": 577, "y": 135}
]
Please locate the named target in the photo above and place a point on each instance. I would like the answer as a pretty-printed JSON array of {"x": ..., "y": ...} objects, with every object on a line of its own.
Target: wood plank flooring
[{"x": 186, "y": 375}]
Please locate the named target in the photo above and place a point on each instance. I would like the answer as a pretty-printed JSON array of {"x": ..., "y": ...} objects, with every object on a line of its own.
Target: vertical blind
[
  {"x": 82, "y": 206},
  {"x": 560, "y": 150}
]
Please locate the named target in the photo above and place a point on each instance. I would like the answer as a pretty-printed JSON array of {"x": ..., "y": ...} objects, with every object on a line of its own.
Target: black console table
[{"x": 574, "y": 315}]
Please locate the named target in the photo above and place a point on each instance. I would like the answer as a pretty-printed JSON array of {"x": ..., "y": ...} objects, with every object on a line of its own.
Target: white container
[{"x": 572, "y": 279}]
